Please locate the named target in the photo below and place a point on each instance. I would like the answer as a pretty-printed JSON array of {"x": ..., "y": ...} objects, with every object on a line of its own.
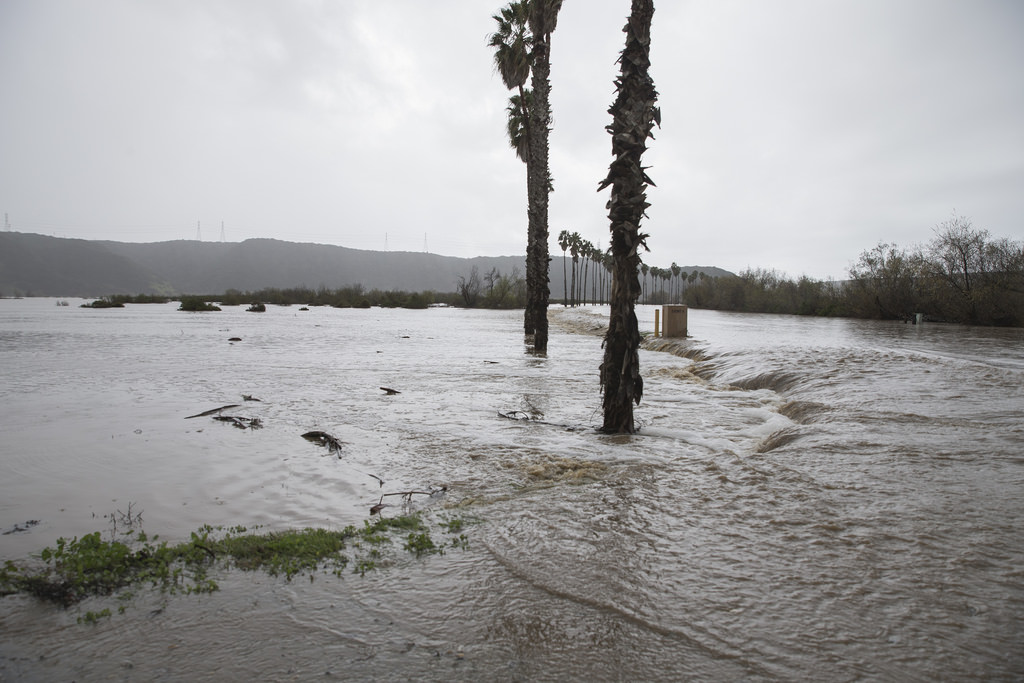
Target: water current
[{"x": 807, "y": 499}]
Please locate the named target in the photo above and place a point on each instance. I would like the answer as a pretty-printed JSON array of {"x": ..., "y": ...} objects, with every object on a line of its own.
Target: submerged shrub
[{"x": 196, "y": 303}]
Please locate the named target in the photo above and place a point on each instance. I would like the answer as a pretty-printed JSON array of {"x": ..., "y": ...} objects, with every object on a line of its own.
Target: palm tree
[
  {"x": 633, "y": 117},
  {"x": 563, "y": 242},
  {"x": 543, "y": 18},
  {"x": 608, "y": 262},
  {"x": 645, "y": 268},
  {"x": 522, "y": 48},
  {"x": 586, "y": 248},
  {"x": 595, "y": 256},
  {"x": 575, "y": 242}
]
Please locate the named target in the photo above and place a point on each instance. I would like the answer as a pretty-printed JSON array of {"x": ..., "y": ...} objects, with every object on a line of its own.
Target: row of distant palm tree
[
  {"x": 583, "y": 253},
  {"x": 590, "y": 262},
  {"x": 675, "y": 277}
]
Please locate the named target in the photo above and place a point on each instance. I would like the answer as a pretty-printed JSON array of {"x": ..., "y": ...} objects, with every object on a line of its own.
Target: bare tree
[{"x": 469, "y": 289}]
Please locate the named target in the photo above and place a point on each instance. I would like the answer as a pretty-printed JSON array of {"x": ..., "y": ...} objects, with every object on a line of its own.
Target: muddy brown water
[{"x": 807, "y": 499}]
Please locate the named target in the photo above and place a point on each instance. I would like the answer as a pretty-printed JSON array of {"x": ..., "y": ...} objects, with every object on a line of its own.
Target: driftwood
[
  {"x": 250, "y": 397},
  {"x": 389, "y": 392},
  {"x": 241, "y": 422},
  {"x": 406, "y": 496},
  {"x": 515, "y": 415},
  {"x": 212, "y": 412},
  {"x": 323, "y": 439},
  {"x": 520, "y": 416},
  {"x": 19, "y": 528}
]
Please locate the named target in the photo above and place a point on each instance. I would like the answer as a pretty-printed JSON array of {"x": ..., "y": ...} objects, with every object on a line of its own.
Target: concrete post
[{"x": 675, "y": 320}]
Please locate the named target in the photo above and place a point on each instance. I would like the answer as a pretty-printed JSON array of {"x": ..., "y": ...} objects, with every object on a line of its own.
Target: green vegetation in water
[
  {"x": 106, "y": 302},
  {"x": 196, "y": 303},
  {"x": 119, "y": 300},
  {"x": 91, "y": 566}
]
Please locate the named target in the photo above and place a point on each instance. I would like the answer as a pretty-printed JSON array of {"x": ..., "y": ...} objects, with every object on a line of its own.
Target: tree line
[{"x": 963, "y": 275}]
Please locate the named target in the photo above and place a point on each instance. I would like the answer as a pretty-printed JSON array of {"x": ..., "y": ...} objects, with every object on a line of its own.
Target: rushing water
[{"x": 807, "y": 499}]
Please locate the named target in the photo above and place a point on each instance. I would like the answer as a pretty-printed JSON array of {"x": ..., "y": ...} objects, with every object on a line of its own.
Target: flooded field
[{"x": 807, "y": 498}]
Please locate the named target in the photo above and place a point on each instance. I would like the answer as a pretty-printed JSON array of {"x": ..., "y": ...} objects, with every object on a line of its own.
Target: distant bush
[
  {"x": 106, "y": 302},
  {"x": 196, "y": 304}
]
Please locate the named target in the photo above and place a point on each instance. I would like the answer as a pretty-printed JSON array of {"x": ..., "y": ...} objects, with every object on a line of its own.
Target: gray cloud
[{"x": 796, "y": 134}]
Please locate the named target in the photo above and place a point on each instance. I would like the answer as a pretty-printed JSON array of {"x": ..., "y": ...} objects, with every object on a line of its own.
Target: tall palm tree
[
  {"x": 608, "y": 262},
  {"x": 634, "y": 115},
  {"x": 543, "y": 18},
  {"x": 522, "y": 47},
  {"x": 586, "y": 247},
  {"x": 563, "y": 242},
  {"x": 575, "y": 242}
]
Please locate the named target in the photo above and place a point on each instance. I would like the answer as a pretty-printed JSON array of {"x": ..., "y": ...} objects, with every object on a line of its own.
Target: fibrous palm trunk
[
  {"x": 538, "y": 183},
  {"x": 634, "y": 114}
]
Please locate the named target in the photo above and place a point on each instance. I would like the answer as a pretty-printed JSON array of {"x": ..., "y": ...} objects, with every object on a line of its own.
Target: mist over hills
[{"x": 39, "y": 265}]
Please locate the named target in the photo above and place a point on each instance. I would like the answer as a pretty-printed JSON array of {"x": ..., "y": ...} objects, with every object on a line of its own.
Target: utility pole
[
  {"x": 199, "y": 234},
  {"x": 425, "y": 243},
  {"x": 222, "y": 231},
  {"x": 7, "y": 222}
]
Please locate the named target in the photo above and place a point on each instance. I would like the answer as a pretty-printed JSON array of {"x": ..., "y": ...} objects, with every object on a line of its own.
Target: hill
[{"x": 39, "y": 265}]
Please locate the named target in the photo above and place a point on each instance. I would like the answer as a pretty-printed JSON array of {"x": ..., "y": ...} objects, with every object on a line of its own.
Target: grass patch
[{"x": 92, "y": 566}]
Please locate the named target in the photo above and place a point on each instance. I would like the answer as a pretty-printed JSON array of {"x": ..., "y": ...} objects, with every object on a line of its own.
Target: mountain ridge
[{"x": 40, "y": 265}]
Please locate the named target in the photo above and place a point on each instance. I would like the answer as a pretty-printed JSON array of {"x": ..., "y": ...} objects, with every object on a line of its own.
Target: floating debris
[
  {"x": 515, "y": 415},
  {"x": 250, "y": 397},
  {"x": 323, "y": 439},
  {"x": 390, "y": 392},
  {"x": 241, "y": 422},
  {"x": 214, "y": 411},
  {"x": 406, "y": 497},
  {"x": 234, "y": 339},
  {"x": 21, "y": 528}
]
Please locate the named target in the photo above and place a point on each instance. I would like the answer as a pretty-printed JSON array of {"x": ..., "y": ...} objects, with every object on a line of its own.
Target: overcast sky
[{"x": 795, "y": 133}]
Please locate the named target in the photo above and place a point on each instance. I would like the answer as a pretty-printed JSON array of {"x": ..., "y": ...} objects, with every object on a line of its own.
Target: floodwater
[{"x": 807, "y": 499}]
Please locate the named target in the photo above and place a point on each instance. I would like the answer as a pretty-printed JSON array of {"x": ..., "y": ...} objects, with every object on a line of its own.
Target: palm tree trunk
[
  {"x": 538, "y": 181},
  {"x": 573, "y": 299},
  {"x": 634, "y": 115},
  {"x": 565, "y": 284},
  {"x": 586, "y": 269},
  {"x": 529, "y": 322}
]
